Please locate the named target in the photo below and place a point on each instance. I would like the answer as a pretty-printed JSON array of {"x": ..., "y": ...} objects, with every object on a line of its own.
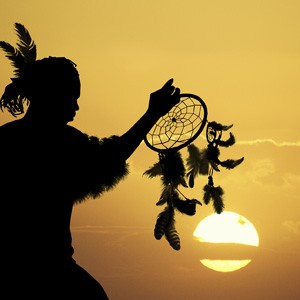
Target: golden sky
[{"x": 243, "y": 59}]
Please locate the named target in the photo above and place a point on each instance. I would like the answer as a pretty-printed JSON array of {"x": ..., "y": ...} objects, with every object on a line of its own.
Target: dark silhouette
[{"x": 47, "y": 166}]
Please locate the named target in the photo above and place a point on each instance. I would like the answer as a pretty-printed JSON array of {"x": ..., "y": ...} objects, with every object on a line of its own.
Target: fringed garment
[{"x": 44, "y": 171}]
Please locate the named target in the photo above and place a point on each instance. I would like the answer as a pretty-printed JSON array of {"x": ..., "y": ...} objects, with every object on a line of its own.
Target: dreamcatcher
[{"x": 172, "y": 132}]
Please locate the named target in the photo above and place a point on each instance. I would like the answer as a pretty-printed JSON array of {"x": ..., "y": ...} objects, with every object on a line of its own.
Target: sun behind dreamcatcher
[{"x": 174, "y": 131}]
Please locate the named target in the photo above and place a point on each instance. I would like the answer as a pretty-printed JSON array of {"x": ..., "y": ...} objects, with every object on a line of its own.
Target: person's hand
[{"x": 162, "y": 100}]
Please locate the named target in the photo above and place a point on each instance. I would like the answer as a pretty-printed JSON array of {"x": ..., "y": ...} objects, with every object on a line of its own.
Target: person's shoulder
[
  {"x": 73, "y": 134},
  {"x": 10, "y": 124},
  {"x": 73, "y": 130}
]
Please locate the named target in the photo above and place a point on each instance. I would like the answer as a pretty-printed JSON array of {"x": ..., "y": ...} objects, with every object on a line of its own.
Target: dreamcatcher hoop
[{"x": 180, "y": 126}]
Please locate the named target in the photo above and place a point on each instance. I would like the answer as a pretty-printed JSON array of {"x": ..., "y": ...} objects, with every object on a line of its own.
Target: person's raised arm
[{"x": 161, "y": 101}]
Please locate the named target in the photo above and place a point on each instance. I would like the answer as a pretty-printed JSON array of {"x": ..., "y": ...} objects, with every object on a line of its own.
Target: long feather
[
  {"x": 187, "y": 207},
  {"x": 194, "y": 159},
  {"x": 216, "y": 195},
  {"x": 166, "y": 194},
  {"x": 207, "y": 194},
  {"x": 229, "y": 142},
  {"x": 26, "y": 44},
  {"x": 172, "y": 235},
  {"x": 14, "y": 55},
  {"x": 154, "y": 171},
  {"x": 197, "y": 162},
  {"x": 231, "y": 163},
  {"x": 162, "y": 222},
  {"x": 173, "y": 168}
]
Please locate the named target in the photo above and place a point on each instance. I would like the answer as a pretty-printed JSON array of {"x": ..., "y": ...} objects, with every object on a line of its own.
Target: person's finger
[
  {"x": 171, "y": 89},
  {"x": 176, "y": 92},
  {"x": 176, "y": 95},
  {"x": 168, "y": 83}
]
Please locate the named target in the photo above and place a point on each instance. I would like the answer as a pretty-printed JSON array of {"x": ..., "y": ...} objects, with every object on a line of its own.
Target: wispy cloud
[
  {"x": 269, "y": 141},
  {"x": 263, "y": 141},
  {"x": 119, "y": 236},
  {"x": 109, "y": 229},
  {"x": 293, "y": 227}
]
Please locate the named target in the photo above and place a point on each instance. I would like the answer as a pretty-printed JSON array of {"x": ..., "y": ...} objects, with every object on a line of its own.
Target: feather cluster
[
  {"x": 172, "y": 170},
  {"x": 197, "y": 163},
  {"x": 25, "y": 51},
  {"x": 215, "y": 194},
  {"x": 165, "y": 226}
]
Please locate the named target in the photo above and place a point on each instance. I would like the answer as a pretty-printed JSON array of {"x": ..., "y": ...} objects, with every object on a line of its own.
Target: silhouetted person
[{"x": 46, "y": 167}]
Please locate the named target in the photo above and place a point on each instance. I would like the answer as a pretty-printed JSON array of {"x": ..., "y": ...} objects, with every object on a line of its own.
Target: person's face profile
[
  {"x": 67, "y": 99},
  {"x": 57, "y": 100}
]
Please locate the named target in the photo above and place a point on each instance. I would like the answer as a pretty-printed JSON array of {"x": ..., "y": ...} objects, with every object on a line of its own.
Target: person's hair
[{"x": 37, "y": 78}]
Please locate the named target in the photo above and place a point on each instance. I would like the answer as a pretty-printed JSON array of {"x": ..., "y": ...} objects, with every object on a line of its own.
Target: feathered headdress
[
  {"x": 25, "y": 51},
  {"x": 19, "y": 56}
]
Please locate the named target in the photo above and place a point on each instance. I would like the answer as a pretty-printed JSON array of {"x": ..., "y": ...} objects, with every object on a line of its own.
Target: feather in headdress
[
  {"x": 26, "y": 44},
  {"x": 25, "y": 51},
  {"x": 14, "y": 55}
]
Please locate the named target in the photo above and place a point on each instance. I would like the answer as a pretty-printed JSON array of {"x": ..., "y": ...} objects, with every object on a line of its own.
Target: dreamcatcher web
[{"x": 182, "y": 124}]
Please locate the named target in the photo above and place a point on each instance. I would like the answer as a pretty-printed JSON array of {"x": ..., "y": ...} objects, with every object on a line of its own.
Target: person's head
[{"x": 52, "y": 87}]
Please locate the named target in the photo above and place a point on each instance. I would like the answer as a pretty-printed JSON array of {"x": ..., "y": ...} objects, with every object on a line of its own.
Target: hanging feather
[
  {"x": 229, "y": 142},
  {"x": 172, "y": 235},
  {"x": 203, "y": 163},
  {"x": 216, "y": 195},
  {"x": 197, "y": 164},
  {"x": 154, "y": 171},
  {"x": 231, "y": 163},
  {"x": 191, "y": 177},
  {"x": 162, "y": 222},
  {"x": 25, "y": 45},
  {"x": 187, "y": 207},
  {"x": 219, "y": 126},
  {"x": 173, "y": 168},
  {"x": 214, "y": 166},
  {"x": 165, "y": 194},
  {"x": 207, "y": 194},
  {"x": 161, "y": 201},
  {"x": 194, "y": 159},
  {"x": 183, "y": 182},
  {"x": 213, "y": 153},
  {"x": 226, "y": 127},
  {"x": 168, "y": 193}
]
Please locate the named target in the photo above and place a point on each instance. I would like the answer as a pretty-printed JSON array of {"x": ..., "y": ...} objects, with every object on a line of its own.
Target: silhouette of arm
[{"x": 161, "y": 101}]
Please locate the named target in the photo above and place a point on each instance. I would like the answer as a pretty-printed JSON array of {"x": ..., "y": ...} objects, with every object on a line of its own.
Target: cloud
[
  {"x": 263, "y": 168},
  {"x": 109, "y": 229},
  {"x": 292, "y": 227},
  {"x": 269, "y": 141}
]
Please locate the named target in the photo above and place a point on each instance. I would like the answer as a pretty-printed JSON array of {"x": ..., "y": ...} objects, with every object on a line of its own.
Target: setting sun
[{"x": 227, "y": 227}]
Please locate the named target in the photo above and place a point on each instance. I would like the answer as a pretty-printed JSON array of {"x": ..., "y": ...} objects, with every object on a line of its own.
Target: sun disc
[{"x": 227, "y": 227}]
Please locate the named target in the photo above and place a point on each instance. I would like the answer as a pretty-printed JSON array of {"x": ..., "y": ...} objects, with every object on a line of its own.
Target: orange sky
[{"x": 243, "y": 59}]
